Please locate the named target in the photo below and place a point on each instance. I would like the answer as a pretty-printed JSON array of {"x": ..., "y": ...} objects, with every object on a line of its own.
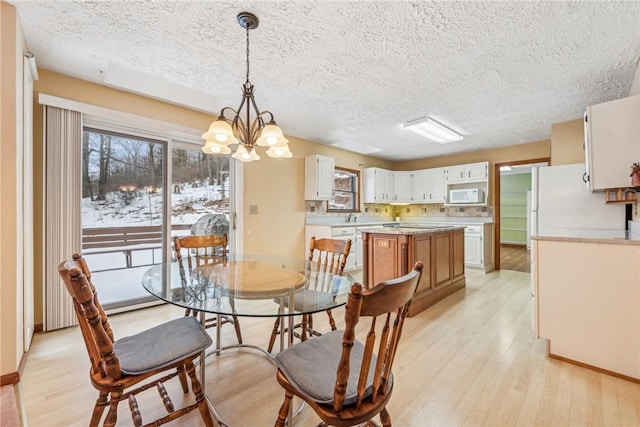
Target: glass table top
[{"x": 249, "y": 285}]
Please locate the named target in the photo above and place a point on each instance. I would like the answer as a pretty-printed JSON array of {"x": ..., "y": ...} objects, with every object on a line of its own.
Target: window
[{"x": 345, "y": 195}]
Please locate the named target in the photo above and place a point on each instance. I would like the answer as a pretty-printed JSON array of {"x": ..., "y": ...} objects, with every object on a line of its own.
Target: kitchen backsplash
[{"x": 318, "y": 209}]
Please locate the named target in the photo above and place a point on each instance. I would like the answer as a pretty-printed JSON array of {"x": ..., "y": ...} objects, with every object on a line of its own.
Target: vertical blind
[{"x": 63, "y": 195}]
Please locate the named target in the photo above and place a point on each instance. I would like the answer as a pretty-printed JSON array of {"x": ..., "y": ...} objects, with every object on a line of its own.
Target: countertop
[
  {"x": 363, "y": 222},
  {"x": 591, "y": 236},
  {"x": 416, "y": 229}
]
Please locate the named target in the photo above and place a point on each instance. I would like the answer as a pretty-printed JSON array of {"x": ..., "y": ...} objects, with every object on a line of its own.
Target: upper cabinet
[
  {"x": 612, "y": 142},
  {"x": 377, "y": 185},
  {"x": 472, "y": 172},
  {"x": 423, "y": 186},
  {"x": 402, "y": 187},
  {"x": 469, "y": 176},
  {"x": 429, "y": 186},
  {"x": 318, "y": 177}
]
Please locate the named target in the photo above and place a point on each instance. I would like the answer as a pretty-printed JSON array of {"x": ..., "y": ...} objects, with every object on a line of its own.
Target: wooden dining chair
[
  {"x": 345, "y": 381},
  {"x": 199, "y": 251},
  {"x": 327, "y": 258},
  {"x": 120, "y": 369}
]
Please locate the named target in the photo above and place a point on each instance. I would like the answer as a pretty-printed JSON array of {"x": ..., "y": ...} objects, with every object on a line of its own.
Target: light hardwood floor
[{"x": 470, "y": 360}]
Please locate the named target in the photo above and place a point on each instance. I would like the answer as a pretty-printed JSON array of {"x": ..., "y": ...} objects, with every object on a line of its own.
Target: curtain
[{"x": 62, "y": 225}]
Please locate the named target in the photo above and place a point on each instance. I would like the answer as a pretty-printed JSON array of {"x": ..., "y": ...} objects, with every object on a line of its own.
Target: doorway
[
  {"x": 137, "y": 193},
  {"x": 512, "y": 214}
]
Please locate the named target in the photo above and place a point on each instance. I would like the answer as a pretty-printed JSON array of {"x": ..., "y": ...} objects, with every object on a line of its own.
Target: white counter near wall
[{"x": 587, "y": 298}]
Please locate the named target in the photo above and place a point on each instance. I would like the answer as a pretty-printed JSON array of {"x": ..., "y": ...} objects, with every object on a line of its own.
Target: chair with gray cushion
[
  {"x": 327, "y": 258},
  {"x": 120, "y": 369},
  {"x": 199, "y": 251},
  {"x": 345, "y": 381}
]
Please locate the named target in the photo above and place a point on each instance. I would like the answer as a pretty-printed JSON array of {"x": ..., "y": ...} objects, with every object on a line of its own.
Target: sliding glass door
[
  {"x": 135, "y": 198},
  {"x": 123, "y": 206}
]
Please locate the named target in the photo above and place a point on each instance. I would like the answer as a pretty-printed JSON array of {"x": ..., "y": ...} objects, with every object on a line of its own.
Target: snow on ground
[{"x": 143, "y": 208}]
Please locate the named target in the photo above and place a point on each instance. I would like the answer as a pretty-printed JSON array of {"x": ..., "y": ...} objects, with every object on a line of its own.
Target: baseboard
[
  {"x": 10, "y": 378},
  {"x": 595, "y": 368}
]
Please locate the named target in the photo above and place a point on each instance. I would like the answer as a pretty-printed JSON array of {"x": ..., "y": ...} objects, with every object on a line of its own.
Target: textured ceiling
[{"x": 351, "y": 72}]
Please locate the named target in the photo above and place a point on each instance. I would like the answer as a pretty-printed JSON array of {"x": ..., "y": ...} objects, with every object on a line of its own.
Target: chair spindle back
[
  {"x": 389, "y": 301},
  {"x": 96, "y": 331}
]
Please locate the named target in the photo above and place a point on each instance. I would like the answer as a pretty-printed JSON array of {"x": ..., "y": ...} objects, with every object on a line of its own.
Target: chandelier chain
[{"x": 247, "y": 54}]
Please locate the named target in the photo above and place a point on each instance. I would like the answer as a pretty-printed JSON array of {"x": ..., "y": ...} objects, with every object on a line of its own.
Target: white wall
[{"x": 635, "y": 85}]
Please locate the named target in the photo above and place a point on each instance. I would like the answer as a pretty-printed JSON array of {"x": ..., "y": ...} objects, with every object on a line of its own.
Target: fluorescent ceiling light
[
  {"x": 433, "y": 130},
  {"x": 505, "y": 168}
]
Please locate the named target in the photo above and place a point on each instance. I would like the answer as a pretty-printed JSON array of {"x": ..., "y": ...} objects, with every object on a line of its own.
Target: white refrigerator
[{"x": 561, "y": 205}]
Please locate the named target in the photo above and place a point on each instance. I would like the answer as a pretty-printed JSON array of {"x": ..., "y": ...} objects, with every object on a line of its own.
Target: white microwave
[{"x": 467, "y": 195}]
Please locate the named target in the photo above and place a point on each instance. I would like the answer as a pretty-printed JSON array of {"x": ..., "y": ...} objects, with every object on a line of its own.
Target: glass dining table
[{"x": 248, "y": 285}]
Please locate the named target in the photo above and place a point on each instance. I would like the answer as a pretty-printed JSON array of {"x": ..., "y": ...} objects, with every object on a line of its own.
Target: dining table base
[{"x": 293, "y": 414}]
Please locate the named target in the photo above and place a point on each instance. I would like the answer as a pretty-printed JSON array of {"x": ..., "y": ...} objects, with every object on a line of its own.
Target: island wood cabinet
[
  {"x": 388, "y": 256},
  {"x": 612, "y": 142},
  {"x": 318, "y": 177}
]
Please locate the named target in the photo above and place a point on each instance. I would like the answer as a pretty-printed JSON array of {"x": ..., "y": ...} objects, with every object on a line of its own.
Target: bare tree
[
  {"x": 105, "y": 160},
  {"x": 87, "y": 190}
]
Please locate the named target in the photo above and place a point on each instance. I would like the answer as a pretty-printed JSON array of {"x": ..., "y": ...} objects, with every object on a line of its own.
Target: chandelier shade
[{"x": 262, "y": 130}]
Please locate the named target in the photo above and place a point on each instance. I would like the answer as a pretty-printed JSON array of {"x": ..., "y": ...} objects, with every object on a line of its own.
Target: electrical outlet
[
  {"x": 424, "y": 210},
  {"x": 253, "y": 209}
]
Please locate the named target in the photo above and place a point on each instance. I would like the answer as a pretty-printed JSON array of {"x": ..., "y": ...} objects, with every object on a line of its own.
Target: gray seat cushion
[
  {"x": 161, "y": 345},
  {"x": 311, "y": 367},
  {"x": 308, "y": 300}
]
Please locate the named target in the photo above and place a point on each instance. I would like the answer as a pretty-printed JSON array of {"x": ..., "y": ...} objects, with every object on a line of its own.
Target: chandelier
[{"x": 262, "y": 131}]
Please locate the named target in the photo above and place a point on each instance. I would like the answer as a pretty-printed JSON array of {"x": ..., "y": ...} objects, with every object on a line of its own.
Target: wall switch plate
[{"x": 253, "y": 209}]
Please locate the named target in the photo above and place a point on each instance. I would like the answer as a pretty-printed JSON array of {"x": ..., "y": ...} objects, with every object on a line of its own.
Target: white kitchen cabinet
[
  {"x": 402, "y": 187},
  {"x": 377, "y": 185},
  {"x": 318, "y": 177},
  {"x": 473, "y": 247},
  {"x": 429, "y": 186},
  {"x": 612, "y": 142},
  {"x": 347, "y": 233},
  {"x": 421, "y": 186},
  {"x": 454, "y": 174},
  {"x": 472, "y": 172}
]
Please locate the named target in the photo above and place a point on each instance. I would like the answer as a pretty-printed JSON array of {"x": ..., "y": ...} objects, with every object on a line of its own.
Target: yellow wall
[
  {"x": 10, "y": 131},
  {"x": 275, "y": 186},
  {"x": 567, "y": 143},
  {"x": 512, "y": 153}
]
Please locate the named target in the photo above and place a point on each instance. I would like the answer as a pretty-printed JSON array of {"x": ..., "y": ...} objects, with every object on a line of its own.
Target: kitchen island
[{"x": 391, "y": 252}]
